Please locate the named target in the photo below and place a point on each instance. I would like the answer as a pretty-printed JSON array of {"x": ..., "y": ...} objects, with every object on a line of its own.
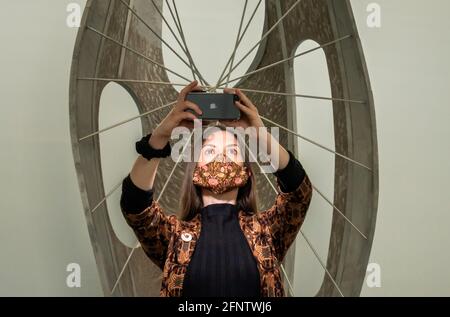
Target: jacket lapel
[
  {"x": 187, "y": 240},
  {"x": 260, "y": 243}
]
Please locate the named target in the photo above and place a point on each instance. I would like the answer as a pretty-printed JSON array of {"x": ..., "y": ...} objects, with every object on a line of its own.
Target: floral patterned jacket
[{"x": 269, "y": 234}]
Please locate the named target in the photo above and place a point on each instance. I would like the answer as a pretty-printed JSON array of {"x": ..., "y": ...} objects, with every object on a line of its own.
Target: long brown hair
[{"x": 191, "y": 195}]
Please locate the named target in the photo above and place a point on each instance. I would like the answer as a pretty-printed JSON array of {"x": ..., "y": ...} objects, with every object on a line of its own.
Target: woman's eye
[
  {"x": 209, "y": 151},
  {"x": 232, "y": 151}
]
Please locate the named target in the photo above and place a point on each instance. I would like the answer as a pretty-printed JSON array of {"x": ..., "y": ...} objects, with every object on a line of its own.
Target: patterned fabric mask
[{"x": 220, "y": 177}]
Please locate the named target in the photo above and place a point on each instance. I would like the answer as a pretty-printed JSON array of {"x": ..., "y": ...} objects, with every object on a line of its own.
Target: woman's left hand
[{"x": 249, "y": 113}]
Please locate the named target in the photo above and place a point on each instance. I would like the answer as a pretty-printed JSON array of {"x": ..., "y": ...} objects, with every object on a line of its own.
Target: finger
[
  {"x": 229, "y": 91},
  {"x": 186, "y": 115},
  {"x": 244, "y": 108},
  {"x": 245, "y": 100},
  {"x": 198, "y": 88},
  {"x": 186, "y": 90},
  {"x": 190, "y": 105}
]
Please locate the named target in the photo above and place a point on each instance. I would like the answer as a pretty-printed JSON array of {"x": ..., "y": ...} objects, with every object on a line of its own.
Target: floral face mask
[{"x": 220, "y": 177}]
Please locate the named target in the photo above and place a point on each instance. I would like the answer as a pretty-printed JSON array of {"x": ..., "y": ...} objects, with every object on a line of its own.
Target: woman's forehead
[{"x": 220, "y": 137}]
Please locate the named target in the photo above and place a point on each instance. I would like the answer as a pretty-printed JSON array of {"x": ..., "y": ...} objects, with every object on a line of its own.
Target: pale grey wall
[
  {"x": 42, "y": 226},
  {"x": 409, "y": 70}
]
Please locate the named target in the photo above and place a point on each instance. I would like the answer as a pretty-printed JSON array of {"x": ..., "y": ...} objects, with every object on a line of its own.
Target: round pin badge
[{"x": 186, "y": 236}]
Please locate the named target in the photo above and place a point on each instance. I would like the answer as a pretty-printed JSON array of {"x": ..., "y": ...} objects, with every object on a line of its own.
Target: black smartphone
[{"x": 215, "y": 106}]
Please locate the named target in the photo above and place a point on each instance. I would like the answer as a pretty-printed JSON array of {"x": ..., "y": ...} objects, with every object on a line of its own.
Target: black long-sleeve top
[{"x": 222, "y": 263}]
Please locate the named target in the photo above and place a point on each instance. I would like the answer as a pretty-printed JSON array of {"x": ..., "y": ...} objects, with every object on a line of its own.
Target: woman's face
[{"x": 220, "y": 145}]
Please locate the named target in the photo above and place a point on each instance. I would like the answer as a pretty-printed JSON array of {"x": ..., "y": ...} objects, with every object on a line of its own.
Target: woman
[{"x": 220, "y": 245}]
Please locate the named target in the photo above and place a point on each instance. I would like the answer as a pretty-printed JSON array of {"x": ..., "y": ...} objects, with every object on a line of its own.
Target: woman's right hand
[{"x": 176, "y": 117}]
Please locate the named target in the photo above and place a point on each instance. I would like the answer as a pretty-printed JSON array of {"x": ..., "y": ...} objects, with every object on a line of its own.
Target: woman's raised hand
[
  {"x": 176, "y": 117},
  {"x": 249, "y": 112}
]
